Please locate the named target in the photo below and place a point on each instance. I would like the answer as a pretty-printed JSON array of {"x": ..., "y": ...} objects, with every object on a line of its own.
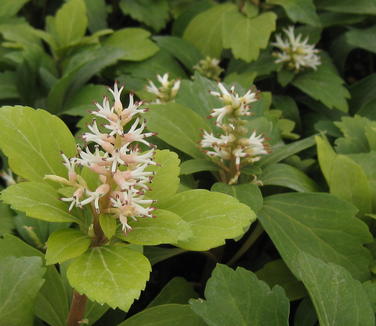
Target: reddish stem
[{"x": 77, "y": 309}]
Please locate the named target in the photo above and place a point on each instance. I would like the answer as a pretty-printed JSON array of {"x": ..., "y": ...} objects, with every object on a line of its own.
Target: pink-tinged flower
[{"x": 117, "y": 160}]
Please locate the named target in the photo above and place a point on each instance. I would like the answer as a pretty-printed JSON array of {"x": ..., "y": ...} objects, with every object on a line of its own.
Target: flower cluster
[
  {"x": 167, "y": 90},
  {"x": 294, "y": 52},
  {"x": 233, "y": 148},
  {"x": 118, "y": 160},
  {"x": 209, "y": 67}
]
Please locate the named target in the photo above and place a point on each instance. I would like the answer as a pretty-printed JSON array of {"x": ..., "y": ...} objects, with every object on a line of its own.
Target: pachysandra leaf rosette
[{"x": 118, "y": 160}]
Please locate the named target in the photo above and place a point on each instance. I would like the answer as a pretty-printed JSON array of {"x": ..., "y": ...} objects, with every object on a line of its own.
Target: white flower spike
[{"x": 294, "y": 52}]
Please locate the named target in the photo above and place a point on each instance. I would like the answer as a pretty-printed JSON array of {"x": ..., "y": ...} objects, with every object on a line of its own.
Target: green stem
[{"x": 247, "y": 244}]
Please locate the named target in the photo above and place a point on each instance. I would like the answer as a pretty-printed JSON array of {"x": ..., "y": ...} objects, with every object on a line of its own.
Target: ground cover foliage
[{"x": 187, "y": 162}]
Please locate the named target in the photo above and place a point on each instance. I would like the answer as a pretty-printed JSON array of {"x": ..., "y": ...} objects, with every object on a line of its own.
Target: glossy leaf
[
  {"x": 182, "y": 50},
  {"x": 32, "y": 140},
  {"x": 322, "y": 84},
  {"x": 302, "y": 11},
  {"x": 100, "y": 273},
  {"x": 246, "y": 36},
  {"x": 108, "y": 225},
  {"x": 165, "y": 315},
  {"x": 213, "y": 217},
  {"x": 285, "y": 175},
  {"x": 205, "y": 31},
  {"x": 166, "y": 179},
  {"x": 11, "y": 7},
  {"x": 153, "y": 13},
  {"x": 66, "y": 244},
  {"x": 70, "y": 23},
  {"x": 20, "y": 281},
  {"x": 319, "y": 224},
  {"x": 346, "y": 179},
  {"x": 276, "y": 272},
  {"x": 177, "y": 125},
  {"x": 38, "y": 200},
  {"x": 247, "y": 193},
  {"x": 338, "y": 298},
  {"x": 197, "y": 165},
  {"x": 239, "y": 298},
  {"x": 134, "y": 42},
  {"x": 177, "y": 290},
  {"x": 166, "y": 227},
  {"x": 51, "y": 304}
]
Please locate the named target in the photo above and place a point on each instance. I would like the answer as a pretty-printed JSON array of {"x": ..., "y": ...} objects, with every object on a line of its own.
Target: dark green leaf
[
  {"x": 20, "y": 281},
  {"x": 338, "y": 298},
  {"x": 319, "y": 224},
  {"x": 239, "y": 298}
]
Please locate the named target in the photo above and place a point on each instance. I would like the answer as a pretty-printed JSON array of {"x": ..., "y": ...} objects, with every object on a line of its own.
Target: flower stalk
[{"x": 233, "y": 148}]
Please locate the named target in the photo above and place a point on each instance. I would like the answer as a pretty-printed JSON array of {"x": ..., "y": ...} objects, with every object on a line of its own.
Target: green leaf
[
  {"x": 322, "y": 84},
  {"x": 239, "y": 298},
  {"x": 32, "y": 140},
  {"x": 346, "y": 178},
  {"x": 196, "y": 96},
  {"x": 182, "y": 50},
  {"x": 355, "y": 137},
  {"x": 38, "y": 200},
  {"x": 166, "y": 227},
  {"x": 246, "y": 36},
  {"x": 51, "y": 304},
  {"x": 247, "y": 193},
  {"x": 302, "y": 11},
  {"x": 362, "y": 93},
  {"x": 197, "y": 165},
  {"x": 96, "y": 14},
  {"x": 153, "y": 13},
  {"x": 6, "y": 219},
  {"x": 21, "y": 279},
  {"x": 35, "y": 231},
  {"x": 277, "y": 273},
  {"x": 8, "y": 85},
  {"x": 282, "y": 152},
  {"x": 285, "y": 175},
  {"x": 66, "y": 244},
  {"x": 70, "y": 23},
  {"x": 177, "y": 290},
  {"x": 165, "y": 315},
  {"x": 108, "y": 225},
  {"x": 74, "y": 78},
  {"x": 213, "y": 217},
  {"x": 114, "y": 275},
  {"x": 205, "y": 31},
  {"x": 158, "y": 254},
  {"x": 11, "y": 7},
  {"x": 82, "y": 101},
  {"x": 178, "y": 126},
  {"x": 319, "y": 224},
  {"x": 362, "y": 38},
  {"x": 337, "y": 297},
  {"x": 134, "y": 42},
  {"x": 166, "y": 179},
  {"x": 305, "y": 313},
  {"x": 367, "y": 7}
]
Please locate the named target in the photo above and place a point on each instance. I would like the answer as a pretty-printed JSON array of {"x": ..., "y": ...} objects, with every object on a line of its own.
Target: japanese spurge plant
[
  {"x": 295, "y": 53},
  {"x": 234, "y": 148},
  {"x": 109, "y": 191}
]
